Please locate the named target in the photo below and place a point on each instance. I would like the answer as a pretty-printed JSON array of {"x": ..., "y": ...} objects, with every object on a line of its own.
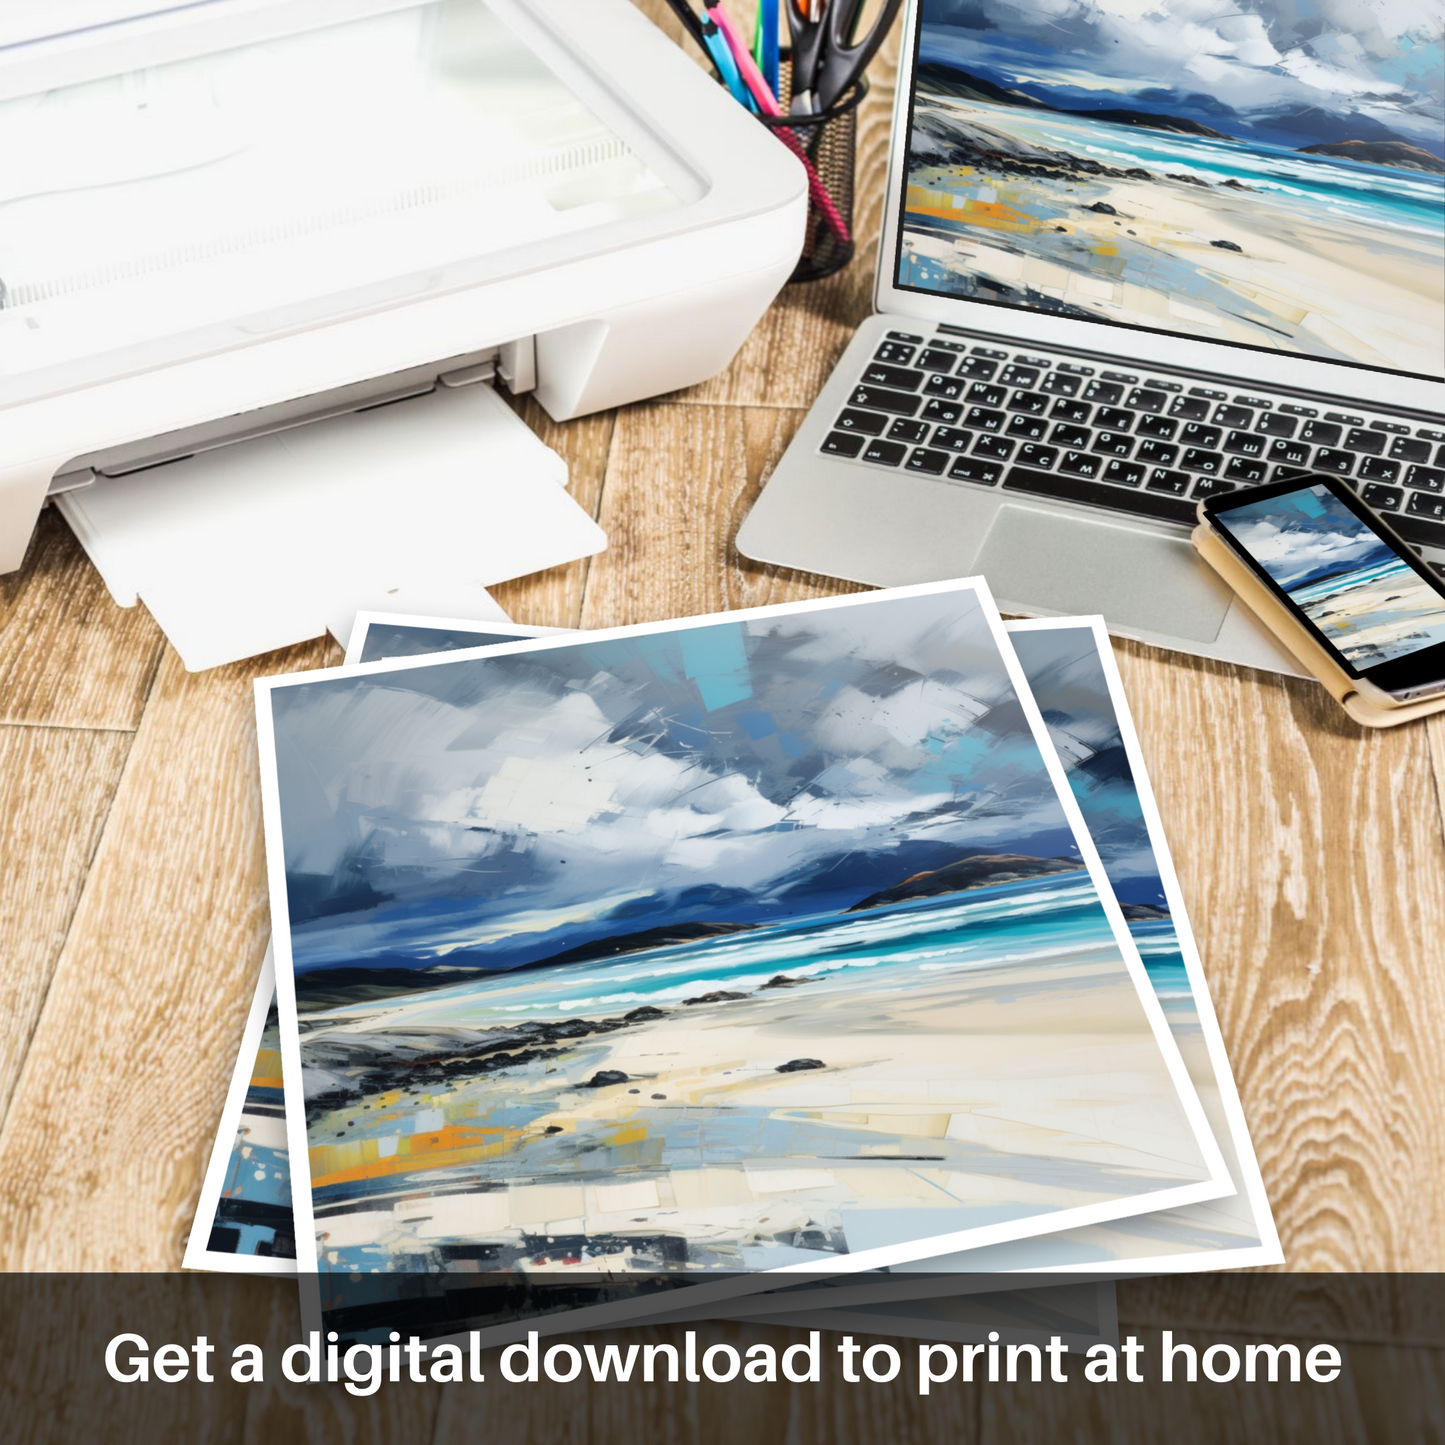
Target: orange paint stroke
[
  {"x": 435, "y": 1149},
  {"x": 266, "y": 1073}
]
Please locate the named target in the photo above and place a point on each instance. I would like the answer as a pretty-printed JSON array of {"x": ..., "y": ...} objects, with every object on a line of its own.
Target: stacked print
[{"x": 835, "y": 979}]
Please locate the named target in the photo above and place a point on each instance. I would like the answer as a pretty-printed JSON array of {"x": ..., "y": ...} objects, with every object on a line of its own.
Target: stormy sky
[
  {"x": 1068, "y": 683},
  {"x": 1289, "y": 72},
  {"x": 1304, "y": 536},
  {"x": 497, "y": 811}
]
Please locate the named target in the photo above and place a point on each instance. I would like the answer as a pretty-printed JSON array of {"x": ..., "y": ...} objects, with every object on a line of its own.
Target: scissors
[{"x": 827, "y": 54}]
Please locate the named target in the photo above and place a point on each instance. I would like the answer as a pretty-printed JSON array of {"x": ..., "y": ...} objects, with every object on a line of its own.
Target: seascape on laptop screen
[
  {"x": 1370, "y": 604},
  {"x": 1261, "y": 173}
]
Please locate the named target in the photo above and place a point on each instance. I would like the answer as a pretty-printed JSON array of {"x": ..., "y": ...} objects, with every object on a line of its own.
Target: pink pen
[{"x": 768, "y": 105}]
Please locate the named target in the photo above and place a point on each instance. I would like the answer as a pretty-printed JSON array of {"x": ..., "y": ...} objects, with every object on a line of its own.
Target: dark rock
[
  {"x": 552, "y": 1129},
  {"x": 1188, "y": 180},
  {"x": 1235, "y": 185},
  {"x": 1102, "y": 208},
  {"x": 1227, "y": 246},
  {"x": 645, "y": 1012},
  {"x": 1064, "y": 229},
  {"x": 797, "y": 1066},
  {"x": 1143, "y": 912},
  {"x": 604, "y": 1077},
  {"x": 781, "y": 980},
  {"x": 983, "y": 870},
  {"x": 718, "y": 995},
  {"x": 571, "y": 1029},
  {"x": 1138, "y": 173}
]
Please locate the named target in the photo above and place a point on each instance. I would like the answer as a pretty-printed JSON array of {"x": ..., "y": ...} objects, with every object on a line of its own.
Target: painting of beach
[
  {"x": 1081, "y": 706},
  {"x": 254, "y": 1214},
  {"x": 1064, "y": 667},
  {"x": 1267, "y": 175},
  {"x": 1367, "y": 602},
  {"x": 244, "y": 1221},
  {"x": 758, "y": 944}
]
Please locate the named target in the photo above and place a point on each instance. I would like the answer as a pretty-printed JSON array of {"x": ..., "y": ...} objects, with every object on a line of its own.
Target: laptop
[{"x": 1132, "y": 257}]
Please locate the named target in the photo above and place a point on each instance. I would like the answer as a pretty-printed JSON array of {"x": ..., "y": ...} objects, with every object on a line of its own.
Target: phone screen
[{"x": 1372, "y": 603}]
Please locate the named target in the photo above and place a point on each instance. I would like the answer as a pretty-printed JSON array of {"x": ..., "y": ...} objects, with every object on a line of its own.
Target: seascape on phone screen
[{"x": 1367, "y": 601}]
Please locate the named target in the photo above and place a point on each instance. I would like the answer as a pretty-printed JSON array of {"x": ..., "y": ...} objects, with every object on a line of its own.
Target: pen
[
  {"x": 747, "y": 67},
  {"x": 687, "y": 16},
  {"x": 715, "y": 46},
  {"x": 712, "y": 44},
  {"x": 765, "y": 42},
  {"x": 767, "y": 103}
]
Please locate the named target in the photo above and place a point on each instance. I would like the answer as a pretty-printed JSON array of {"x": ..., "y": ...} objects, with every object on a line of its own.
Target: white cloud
[{"x": 1288, "y": 554}]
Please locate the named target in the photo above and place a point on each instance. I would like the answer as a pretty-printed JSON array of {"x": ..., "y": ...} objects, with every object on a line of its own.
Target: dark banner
[{"x": 1237, "y": 1358}]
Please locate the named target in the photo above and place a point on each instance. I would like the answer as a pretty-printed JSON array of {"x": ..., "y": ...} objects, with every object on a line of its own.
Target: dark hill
[
  {"x": 355, "y": 983},
  {"x": 1143, "y": 912},
  {"x": 981, "y": 871},
  {"x": 938, "y": 79},
  {"x": 1379, "y": 153},
  {"x": 620, "y": 943},
  {"x": 1181, "y": 125}
]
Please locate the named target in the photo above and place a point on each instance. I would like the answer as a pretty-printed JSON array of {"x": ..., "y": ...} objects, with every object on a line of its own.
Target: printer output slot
[{"x": 513, "y": 362}]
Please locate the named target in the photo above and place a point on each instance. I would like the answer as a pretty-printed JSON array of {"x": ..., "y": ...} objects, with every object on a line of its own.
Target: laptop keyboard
[{"x": 1139, "y": 444}]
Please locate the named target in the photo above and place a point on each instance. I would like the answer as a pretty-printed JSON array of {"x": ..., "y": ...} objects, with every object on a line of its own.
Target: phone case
[{"x": 1346, "y": 690}]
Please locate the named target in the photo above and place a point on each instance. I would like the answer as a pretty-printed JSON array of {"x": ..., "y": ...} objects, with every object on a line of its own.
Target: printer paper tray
[{"x": 417, "y": 506}]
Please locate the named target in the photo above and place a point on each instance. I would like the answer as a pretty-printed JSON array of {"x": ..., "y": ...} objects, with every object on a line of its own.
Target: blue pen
[
  {"x": 727, "y": 67},
  {"x": 768, "y": 24}
]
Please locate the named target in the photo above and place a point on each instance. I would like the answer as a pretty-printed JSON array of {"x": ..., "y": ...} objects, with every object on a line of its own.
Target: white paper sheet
[{"x": 415, "y": 506}]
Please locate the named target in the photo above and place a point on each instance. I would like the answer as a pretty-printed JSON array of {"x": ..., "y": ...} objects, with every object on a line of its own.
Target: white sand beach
[
  {"x": 1380, "y": 617},
  {"x": 1303, "y": 278},
  {"x": 973, "y": 1097}
]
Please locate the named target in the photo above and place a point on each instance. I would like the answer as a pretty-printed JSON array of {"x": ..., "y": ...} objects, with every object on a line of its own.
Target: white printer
[{"x": 232, "y": 230}]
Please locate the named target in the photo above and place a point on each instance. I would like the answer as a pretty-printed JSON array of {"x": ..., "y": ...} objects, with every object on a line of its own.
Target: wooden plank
[
  {"x": 1311, "y": 856},
  {"x": 1435, "y": 733},
  {"x": 113, "y": 1116},
  {"x": 69, "y": 657},
  {"x": 56, "y": 786},
  {"x": 680, "y": 480},
  {"x": 554, "y": 598}
]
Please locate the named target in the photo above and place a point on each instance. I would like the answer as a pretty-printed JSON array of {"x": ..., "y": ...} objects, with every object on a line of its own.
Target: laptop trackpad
[{"x": 1073, "y": 565}]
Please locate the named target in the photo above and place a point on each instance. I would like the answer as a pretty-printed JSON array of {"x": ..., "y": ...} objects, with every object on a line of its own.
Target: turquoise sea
[{"x": 885, "y": 948}]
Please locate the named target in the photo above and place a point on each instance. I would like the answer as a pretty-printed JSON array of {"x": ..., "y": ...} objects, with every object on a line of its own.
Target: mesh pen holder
[{"x": 826, "y": 142}]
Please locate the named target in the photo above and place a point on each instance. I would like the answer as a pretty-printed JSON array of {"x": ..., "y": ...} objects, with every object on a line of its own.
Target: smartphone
[{"x": 1338, "y": 568}]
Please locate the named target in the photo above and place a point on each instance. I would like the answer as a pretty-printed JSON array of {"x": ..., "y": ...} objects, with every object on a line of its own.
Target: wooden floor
[{"x": 133, "y": 907}]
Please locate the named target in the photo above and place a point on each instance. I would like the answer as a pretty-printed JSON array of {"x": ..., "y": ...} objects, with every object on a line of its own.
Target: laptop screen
[{"x": 1263, "y": 173}]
